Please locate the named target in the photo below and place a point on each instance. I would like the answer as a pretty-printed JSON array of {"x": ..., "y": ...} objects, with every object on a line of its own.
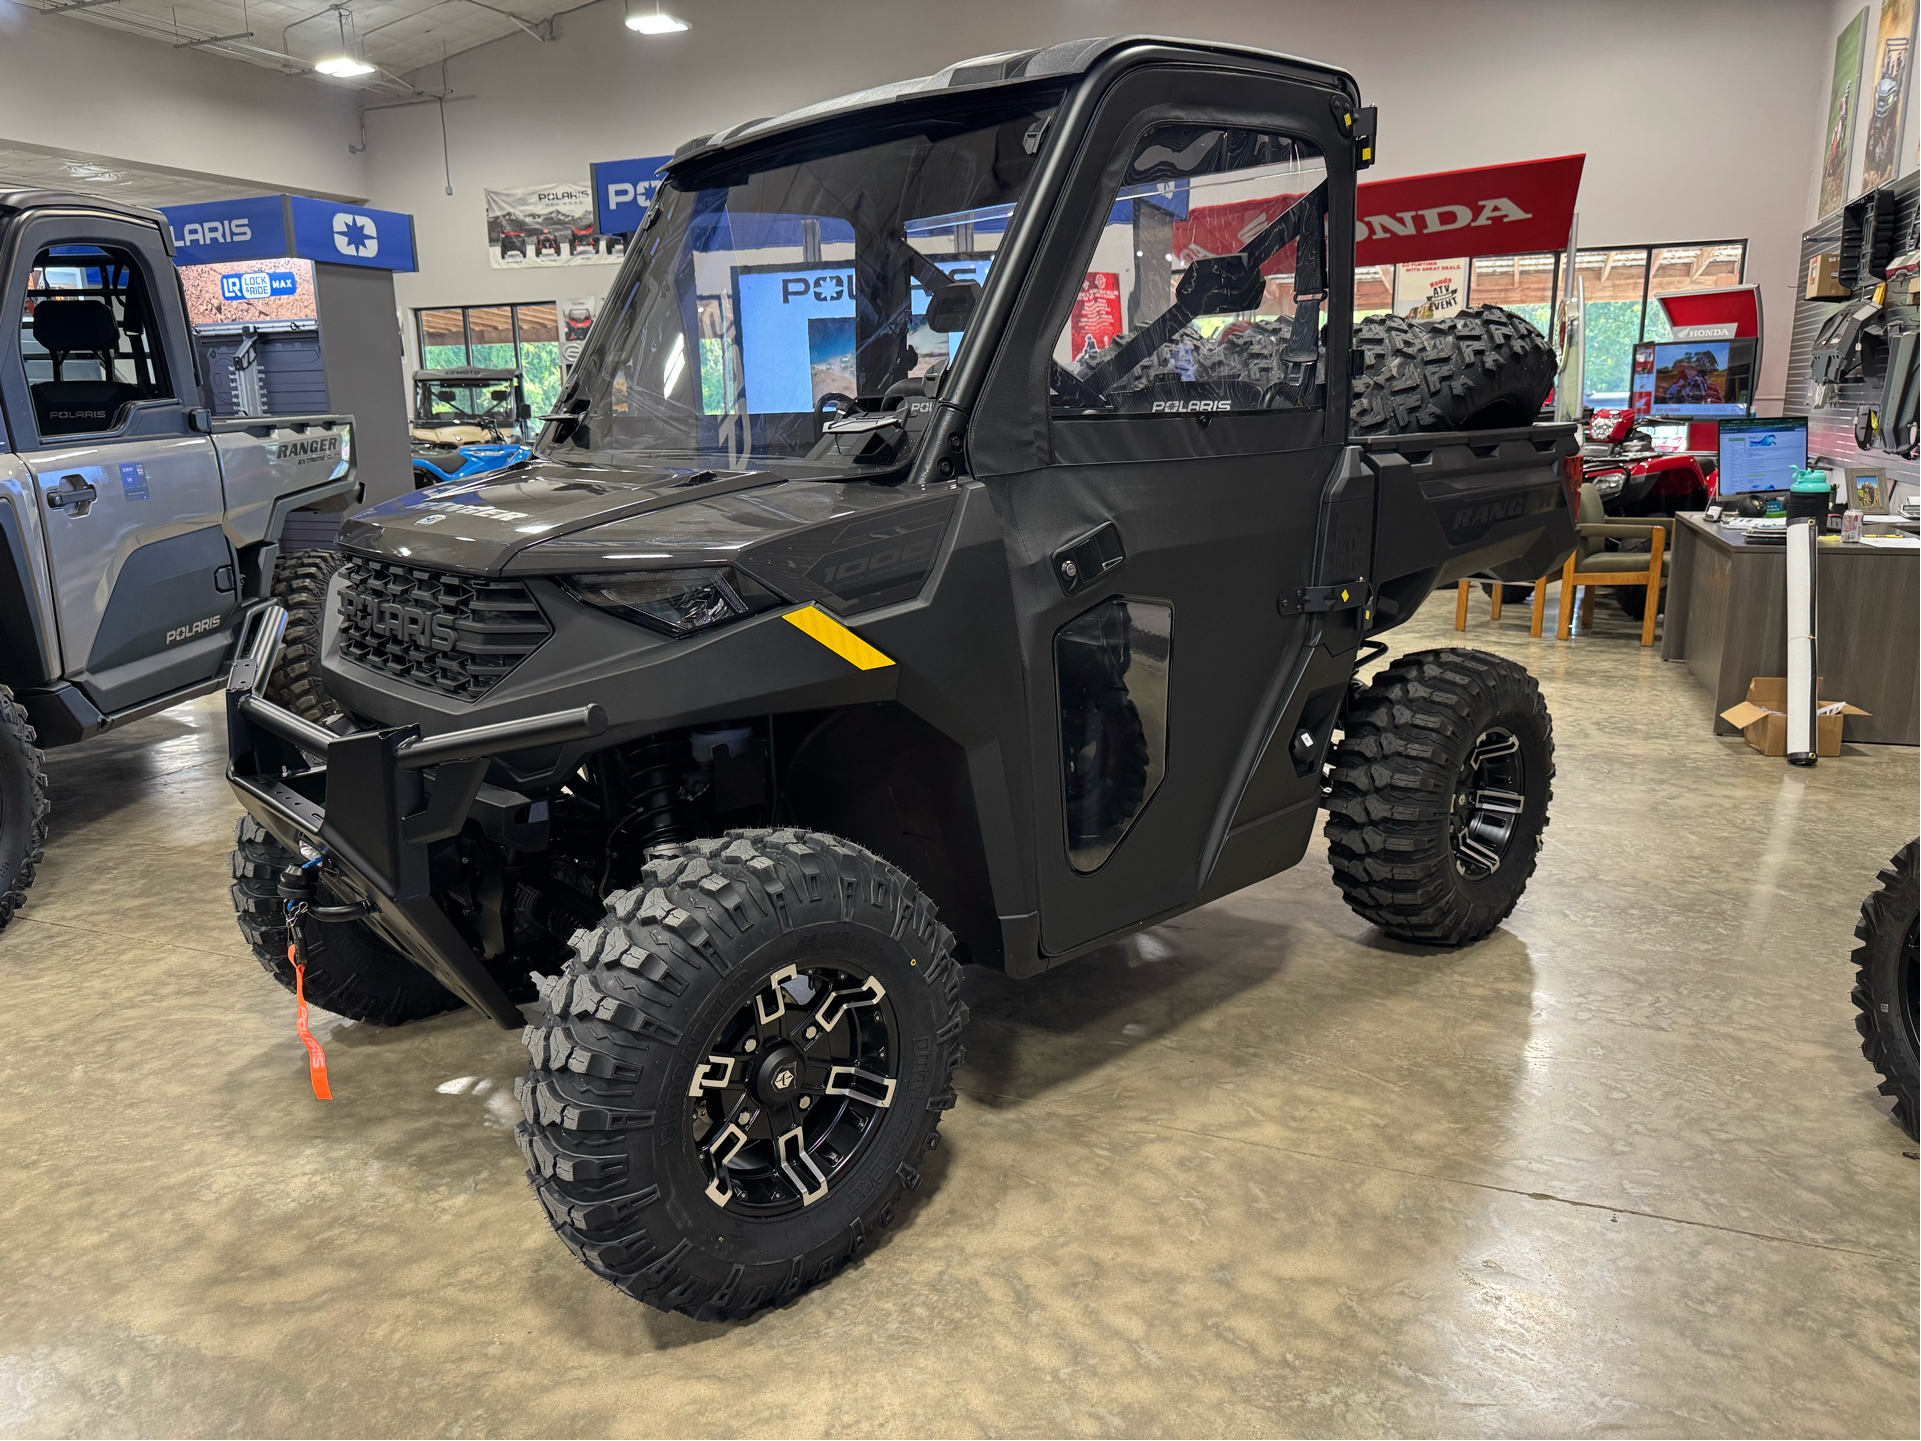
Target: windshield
[
  {"x": 789, "y": 293},
  {"x": 464, "y": 400}
]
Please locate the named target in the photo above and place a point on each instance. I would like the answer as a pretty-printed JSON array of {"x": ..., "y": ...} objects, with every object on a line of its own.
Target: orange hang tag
[{"x": 316, "y": 1058}]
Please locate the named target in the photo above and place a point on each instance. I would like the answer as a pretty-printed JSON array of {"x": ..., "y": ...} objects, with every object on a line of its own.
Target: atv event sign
[{"x": 1494, "y": 210}]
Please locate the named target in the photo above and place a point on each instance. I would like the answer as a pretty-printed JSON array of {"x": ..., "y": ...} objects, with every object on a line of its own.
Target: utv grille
[{"x": 456, "y": 634}]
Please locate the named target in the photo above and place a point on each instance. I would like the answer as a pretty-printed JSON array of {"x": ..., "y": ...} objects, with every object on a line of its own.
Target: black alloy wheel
[
  {"x": 1438, "y": 795},
  {"x": 793, "y": 1088},
  {"x": 1489, "y": 798},
  {"x": 737, "y": 1073}
]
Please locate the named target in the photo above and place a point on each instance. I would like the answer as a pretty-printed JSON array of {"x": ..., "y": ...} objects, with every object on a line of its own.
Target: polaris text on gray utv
[{"x": 951, "y": 550}]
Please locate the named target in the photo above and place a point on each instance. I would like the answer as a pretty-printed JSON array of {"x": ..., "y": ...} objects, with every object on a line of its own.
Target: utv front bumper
[{"x": 374, "y": 803}]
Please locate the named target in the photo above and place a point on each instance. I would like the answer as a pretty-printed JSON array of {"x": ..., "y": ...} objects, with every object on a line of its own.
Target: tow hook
[{"x": 299, "y": 884}]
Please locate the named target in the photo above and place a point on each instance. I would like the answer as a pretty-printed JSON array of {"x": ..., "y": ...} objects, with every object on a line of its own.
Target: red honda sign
[{"x": 1495, "y": 210}]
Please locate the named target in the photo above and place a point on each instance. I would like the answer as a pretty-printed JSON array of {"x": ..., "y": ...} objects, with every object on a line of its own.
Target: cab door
[
  {"x": 99, "y": 387},
  {"x": 1168, "y": 534}
]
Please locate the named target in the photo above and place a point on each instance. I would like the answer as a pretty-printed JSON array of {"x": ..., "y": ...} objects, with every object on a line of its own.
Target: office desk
[{"x": 1727, "y": 620}]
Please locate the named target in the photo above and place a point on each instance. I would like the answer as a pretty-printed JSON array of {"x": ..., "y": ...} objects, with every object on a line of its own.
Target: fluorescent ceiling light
[
  {"x": 343, "y": 66},
  {"x": 655, "y": 24}
]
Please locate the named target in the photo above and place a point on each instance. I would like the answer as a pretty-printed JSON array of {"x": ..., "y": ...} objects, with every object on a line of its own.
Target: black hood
[{"x": 477, "y": 527}]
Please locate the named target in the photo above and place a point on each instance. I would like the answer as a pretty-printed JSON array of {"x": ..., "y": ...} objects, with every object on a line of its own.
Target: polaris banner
[
  {"x": 552, "y": 224},
  {"x": 220, "y": 230},
  {"x": 268, "y": 227},
  {"x": 623, "y": 189},
  {"x": 1495, "y": 210},
  {"x": 338, "y": 234}
]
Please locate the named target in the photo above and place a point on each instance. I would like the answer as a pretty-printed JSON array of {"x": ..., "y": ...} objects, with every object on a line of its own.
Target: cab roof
[
  {"x": 466, "y": 374},
  {"x": 1006, "y": 69}
]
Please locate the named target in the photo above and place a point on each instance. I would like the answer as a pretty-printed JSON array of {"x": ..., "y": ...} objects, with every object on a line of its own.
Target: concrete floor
[{"x": 1619, "y": 1169}]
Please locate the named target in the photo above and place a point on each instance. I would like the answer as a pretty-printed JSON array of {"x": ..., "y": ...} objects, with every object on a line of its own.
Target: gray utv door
[{"x": 130, "y": 498}]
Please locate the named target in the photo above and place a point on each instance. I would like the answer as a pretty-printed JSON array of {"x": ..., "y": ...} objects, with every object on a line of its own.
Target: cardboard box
[
  {"x": 1823, "y": 281},
  {"x": 1763, "y": 718}
]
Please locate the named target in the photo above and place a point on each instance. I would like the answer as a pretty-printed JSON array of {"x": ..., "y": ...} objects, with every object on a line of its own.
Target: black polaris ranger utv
[{"x": 954, "y": 547}]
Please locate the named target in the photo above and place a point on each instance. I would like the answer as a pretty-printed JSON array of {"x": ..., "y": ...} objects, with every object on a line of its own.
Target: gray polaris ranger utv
[
  {"x": 137, "y": 533},
  {"x": 956, "y": 546}
]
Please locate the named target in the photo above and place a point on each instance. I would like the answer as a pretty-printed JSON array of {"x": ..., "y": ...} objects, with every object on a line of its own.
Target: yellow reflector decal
[{"x": 837, "y": 637}]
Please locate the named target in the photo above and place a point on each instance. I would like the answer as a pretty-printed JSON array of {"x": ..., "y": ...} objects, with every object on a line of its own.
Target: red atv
[{"x": 1620, "y": 460}]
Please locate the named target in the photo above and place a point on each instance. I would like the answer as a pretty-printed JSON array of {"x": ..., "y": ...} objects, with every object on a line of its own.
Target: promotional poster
[
  {"x": 249, "y": 292},
  {"x": 547, "y": 225},
  {"x": 576, "y": 316},
  {"x": 1888, "y": 102},
  {"x": 1430, "y": 289},
  {"x": 1843, "y": 103}
]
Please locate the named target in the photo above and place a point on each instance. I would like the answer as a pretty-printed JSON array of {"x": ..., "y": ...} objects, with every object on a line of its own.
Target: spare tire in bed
[{"x": 1479, "y": 369}]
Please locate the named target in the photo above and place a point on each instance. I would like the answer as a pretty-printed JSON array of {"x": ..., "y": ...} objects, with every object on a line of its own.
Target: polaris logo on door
[
  {"x": 199, "y": 627},
  {"x": 1189, "y": 407},
  {"x": 356, "y": 235}
]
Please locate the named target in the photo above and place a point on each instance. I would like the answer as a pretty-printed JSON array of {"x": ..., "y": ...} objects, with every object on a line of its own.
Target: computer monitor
[
  {"x": 1761, "y": 455},
  {"x": 1693, "y": 379}
]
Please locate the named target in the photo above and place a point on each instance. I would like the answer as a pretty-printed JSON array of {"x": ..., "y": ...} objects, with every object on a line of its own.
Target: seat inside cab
[{"x": 86, "y": 340}]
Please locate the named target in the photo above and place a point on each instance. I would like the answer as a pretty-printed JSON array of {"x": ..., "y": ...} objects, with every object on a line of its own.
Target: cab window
[
  {"x": 88, "y": 340},
  {"x": 1206, "y": 286}
]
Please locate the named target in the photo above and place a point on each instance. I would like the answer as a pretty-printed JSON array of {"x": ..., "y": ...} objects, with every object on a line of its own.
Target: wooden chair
[
  {"x": 1494, "y": 609},
  {"x": 1593, "y": 564}
]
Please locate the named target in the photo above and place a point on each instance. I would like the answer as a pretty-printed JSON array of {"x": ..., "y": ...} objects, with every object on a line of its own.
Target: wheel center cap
[{"x": 777, "y": 1078}]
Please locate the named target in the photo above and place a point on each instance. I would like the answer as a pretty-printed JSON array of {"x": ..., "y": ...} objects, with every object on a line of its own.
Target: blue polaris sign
[
  {"x": 337, "y": 234},
  {"x": 266, "y": 227},
  {"x": 623, "y": 189},
  {"x": 217, "y": 230}
]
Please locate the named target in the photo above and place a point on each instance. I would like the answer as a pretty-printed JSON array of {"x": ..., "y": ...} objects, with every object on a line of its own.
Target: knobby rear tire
[
  {"x": 300, "y": 579},
  {"x": 1480, "y": 369},
  {"x": 1391, "y": 820},
  {"x": 611, "y": 1136}
]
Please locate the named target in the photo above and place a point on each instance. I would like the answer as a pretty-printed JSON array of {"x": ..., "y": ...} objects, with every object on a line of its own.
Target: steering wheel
[{"x": 845, "y": 404}]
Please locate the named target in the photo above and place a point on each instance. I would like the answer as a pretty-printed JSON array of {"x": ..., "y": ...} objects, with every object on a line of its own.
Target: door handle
[
  {"x": 1080, "y": 563},
  {"x": 82, "y": 495}
]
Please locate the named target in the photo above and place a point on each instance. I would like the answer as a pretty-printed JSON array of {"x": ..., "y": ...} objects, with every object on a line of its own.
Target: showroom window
[
  {"x": 499, "y": 337},
  {"x": 1620, "y": 281}
]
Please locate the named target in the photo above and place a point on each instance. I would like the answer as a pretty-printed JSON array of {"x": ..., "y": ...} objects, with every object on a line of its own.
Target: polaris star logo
[{"x": 356, "y": 235}]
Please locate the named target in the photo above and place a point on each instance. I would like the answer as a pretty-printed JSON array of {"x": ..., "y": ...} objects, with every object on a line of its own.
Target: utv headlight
[
  {"x": 675, "y": 602},
  {"x": 1609, "y": 486}
]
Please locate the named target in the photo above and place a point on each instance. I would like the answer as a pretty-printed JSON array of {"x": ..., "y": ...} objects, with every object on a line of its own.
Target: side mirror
[
  {"x": 1221, "y": 285},
  {"x": 200, "y": 420},
  {"x": 523, "y": 411},
  {"x": 952, "y": 308}
]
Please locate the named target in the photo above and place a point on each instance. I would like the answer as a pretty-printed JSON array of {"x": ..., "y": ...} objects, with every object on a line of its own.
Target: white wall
[
  {"x": 82, "y": 87},
  {"x": 1695, "y": 117}
]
